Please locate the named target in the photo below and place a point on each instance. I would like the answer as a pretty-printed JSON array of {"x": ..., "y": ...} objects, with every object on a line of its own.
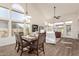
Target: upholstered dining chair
[
  {"x": 16, "y": 40},
  {"x": 38, "y": 46},
  {"x": 21, "y": 34},
  {"x": 21, "y": 43}
]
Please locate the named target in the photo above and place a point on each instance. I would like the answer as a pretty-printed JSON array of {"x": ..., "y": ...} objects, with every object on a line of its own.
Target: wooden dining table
[{"x": 30, "y": 39}]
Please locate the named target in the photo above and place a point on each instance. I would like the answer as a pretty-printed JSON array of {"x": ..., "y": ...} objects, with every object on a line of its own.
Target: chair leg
[
  {"x": 37, "y": 53},
  {"x": 16, "y": 45},
  {"x": 21, "y": 52},
  {"x": 43, "y": 50},
  {"x": 18, "y": 48}
]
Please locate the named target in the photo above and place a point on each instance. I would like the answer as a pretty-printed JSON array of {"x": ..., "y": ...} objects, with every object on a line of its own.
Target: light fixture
[{"x": 56, "y": 17}]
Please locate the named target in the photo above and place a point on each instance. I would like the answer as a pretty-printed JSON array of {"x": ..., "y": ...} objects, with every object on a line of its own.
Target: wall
[
  {"x": 37, "y": 16},
  {"x": 75, "y": 28}
]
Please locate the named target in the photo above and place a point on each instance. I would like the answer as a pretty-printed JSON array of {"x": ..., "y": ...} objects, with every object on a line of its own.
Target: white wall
[
  {"x": 74, "y": 28},
  {"x": 37, "y": 16}
]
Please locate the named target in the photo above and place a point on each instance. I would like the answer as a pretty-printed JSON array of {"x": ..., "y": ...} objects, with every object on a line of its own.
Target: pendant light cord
[{"x": 54, "y": 10}]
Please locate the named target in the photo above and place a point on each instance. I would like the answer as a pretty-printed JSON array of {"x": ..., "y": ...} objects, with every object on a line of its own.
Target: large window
[
  {"x": 68, "y": 27},
  {"x": 3, "y": 29},
  {"x": 68, "y": 30},
  {"x": 16, "y": 27},
  {"x": 15, "y": 16},
  {"x": 17, "y": 19},
  {"x": 4, "y": 12}
]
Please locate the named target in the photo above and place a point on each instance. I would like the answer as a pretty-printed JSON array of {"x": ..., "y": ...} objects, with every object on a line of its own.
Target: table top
[{"x": 29, "y": 38}]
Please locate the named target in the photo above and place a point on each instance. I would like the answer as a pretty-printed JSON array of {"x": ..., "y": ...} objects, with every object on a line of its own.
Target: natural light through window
[
  {"x": 4, "y": 12},
  {"x": 17, "y": 7},
  {"x": 15, "y": 16}
]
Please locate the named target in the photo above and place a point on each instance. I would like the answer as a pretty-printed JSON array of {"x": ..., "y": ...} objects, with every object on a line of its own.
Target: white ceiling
[
  {"x": 61, "y": 9},
  {"x": 44, "y": 11}
]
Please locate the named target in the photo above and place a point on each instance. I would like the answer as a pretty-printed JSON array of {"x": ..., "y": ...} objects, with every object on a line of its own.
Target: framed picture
[{"x": 34, "y": 27}]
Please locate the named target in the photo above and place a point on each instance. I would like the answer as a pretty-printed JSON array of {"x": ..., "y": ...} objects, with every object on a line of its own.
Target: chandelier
[{"x": 56, "y": 17}]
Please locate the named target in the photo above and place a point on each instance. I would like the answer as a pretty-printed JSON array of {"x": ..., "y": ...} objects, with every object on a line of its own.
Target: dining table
[{"x": 30, "y": 39}]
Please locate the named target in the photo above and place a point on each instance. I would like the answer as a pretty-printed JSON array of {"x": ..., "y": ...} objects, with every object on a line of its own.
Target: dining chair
[
  {"x": 20, "y": 33},
  {"x": 38, "y": 45},
  {"x": 16, "y": 40},
  {"x": 21, "y": 43}
]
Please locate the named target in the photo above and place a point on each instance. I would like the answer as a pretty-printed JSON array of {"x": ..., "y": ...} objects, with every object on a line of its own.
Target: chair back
[
  {"x": 21, "y": 33},
  {"x": 41, "y": 38},
  {"x": 18, "y": 38}
]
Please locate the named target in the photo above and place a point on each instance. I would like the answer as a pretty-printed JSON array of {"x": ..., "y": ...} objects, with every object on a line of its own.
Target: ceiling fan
[{"x": 56, "y": 17}]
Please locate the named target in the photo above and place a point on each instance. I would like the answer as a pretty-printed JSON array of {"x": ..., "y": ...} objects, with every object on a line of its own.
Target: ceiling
[
  {"x": 44, "y": 11},
  {"x": 61, "y": 9}
]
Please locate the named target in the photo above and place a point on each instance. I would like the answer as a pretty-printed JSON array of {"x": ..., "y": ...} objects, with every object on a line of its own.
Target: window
[
  {"x": 68, "y": 29},
  {"x": 18, "y": 7},
  {"x": 17, "y": 27},
  {"x": 3, "y": 29},
  {"x": 15, "y": 16},
  {"x": 4, "y": 12}
]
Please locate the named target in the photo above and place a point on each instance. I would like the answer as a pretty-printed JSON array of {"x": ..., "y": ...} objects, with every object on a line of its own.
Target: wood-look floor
[{"x": 65, "y": 47}]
